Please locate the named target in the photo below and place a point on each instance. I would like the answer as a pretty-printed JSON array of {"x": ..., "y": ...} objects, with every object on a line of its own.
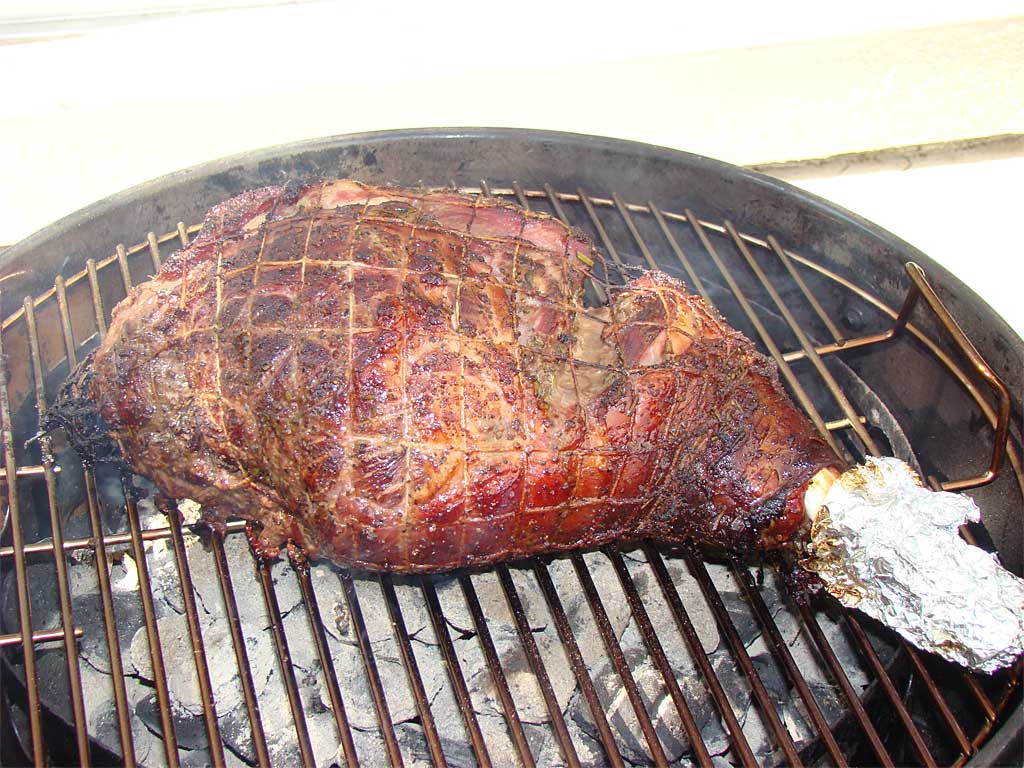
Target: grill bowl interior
[{"x": 640, "y": 204}]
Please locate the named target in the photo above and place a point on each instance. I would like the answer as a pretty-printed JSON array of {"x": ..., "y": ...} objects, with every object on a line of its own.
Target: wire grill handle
[{"x": 920, "y": 287}]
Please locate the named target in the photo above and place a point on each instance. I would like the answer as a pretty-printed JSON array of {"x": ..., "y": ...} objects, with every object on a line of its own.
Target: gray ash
[{"x": 233, "y": 720}]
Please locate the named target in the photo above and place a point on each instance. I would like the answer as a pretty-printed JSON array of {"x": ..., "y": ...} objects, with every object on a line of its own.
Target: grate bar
[
  {"x": 30, "y": 471},
  {"x": 839, "y": 675},
  {"x": 891, "y": 693},
  {"x": 838, "y": 424},
  {"x": 110, "y": 623},
  {"x": 188, "y": 598},
  {"x": 57, "y": 534},
  {"x": 686, "y": 629},
  {"x": 611, "y": 645},
  {"x": 21, "y": 571},
  {"x": 579, "y": 666},
  {"x": 828, "y": 349},
  {"x": 39, "y": 636},
  {"x": 284, "y": 656},
  {"x": 537, "y": 667},
  {"x": 122, "y": 264},
  {"x": 412, "y": 671},
  {"x": 115, "y": 539},
  {"x": 781, "y": 651},
  {"x": 65, "y": 322},
  {"x": 695, "y": 280},
  {"x": 156, "y": 655},
  {"x": 805, "y": 342},
  {"x": 552, "y": 196},
  {"x": 154, "y": 250},
  {"x": 556, "y": 203},
  {"x": 97, "y": 299},
  {"x": 631, "y": 226},
  {"x": 762, "y": 332},
  {"x": 380, "y": 703},
  {"x": 508, "y": 707},
  {"x": 601, "y": 232},
  {"x": 940, "y": 703},
  {"x": 980, "y": 695},
  {"x": 316, "y": 625},
  {"x": 990, "y": 722},
  {"x": 455, "y": 677},
  {"x": 520, "y": 195},
  {"x": 833, "y": 329},
  {"x": 657, "y": 652},
  {"x": 227, "y": 591},
  {"x": 782, "y": 738},
  {"x": 1017, "y": 670}
]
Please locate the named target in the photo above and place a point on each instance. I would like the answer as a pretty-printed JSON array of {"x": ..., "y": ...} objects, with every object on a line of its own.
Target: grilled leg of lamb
[{"x": 410, "y": 381}]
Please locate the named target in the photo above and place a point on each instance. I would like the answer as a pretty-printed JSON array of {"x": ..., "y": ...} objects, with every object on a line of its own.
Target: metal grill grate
[{"x": 877, "y": 701}]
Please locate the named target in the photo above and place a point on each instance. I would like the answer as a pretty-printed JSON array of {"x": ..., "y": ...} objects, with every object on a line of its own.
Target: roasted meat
[{"x": 406, "y": 380}]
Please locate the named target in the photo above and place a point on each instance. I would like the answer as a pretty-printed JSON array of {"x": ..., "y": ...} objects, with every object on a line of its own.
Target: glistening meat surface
[{"x": 407, "y": 380}]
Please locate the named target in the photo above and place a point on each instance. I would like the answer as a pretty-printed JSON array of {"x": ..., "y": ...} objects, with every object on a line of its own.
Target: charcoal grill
[{"x": 639, "y": 655}]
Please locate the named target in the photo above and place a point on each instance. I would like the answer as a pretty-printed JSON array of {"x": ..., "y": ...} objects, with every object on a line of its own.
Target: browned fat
[{"x": 817, "y": 490}]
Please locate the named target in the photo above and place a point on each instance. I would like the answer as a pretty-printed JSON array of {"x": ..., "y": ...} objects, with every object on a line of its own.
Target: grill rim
[{"x": 952, "y": 289}]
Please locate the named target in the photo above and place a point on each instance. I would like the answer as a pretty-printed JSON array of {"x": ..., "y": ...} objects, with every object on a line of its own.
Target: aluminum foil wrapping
[{"x": 884, "y": 544}]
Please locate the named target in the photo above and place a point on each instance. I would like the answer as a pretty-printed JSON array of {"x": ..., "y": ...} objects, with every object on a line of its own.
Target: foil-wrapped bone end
[{"x": 886, "y": 545}]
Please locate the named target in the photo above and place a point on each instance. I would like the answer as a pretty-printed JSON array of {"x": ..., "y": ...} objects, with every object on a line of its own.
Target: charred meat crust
[
  {"x": 406, "y": 380},
  {"x": 75, "y": 414}
]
